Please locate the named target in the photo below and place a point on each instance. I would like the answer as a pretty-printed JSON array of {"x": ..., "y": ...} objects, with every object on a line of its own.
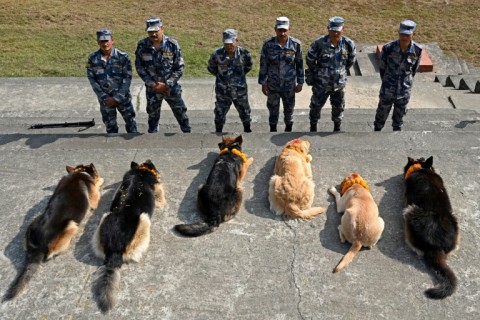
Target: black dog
[
  {"x": 123, "y": 234},
  {"x": 431, "y": 229},
  {"x": 221, "y": 197}
]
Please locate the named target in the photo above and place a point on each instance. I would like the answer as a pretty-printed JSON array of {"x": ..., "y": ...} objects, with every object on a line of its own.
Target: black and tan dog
[
  {"x": 431, "y": 229},
  {"x": 221, "y": 197},
  {"x": 50, "y": 233},
  {"x": 123, "y": 234}
]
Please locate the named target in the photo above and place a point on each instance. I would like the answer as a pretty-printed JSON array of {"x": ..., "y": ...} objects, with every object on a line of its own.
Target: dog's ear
[
  {"x": 410, "y": 160},
  {"x": 70, "y": 169},
  {"x": 150, "y": 164},
  {"x": 133, "y": 165},
  {"x": 429, "y": 162},
  {"x": 220, "y": 145},
  {"x": 239, "y": 139}
]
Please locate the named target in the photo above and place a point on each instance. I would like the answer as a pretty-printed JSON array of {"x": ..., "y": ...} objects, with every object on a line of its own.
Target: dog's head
[
  {"x": 350, "y": 180},
  {"x": 87, "y": 168},
  {"x": 417, "y": 164},
  {"x": 231, "y": 143},
  {"x": 147, "y": 166},
  {"x": 302, "y": 146}
]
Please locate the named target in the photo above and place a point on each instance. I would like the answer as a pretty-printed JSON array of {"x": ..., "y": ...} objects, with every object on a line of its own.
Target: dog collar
[
  {"x": 347, "y": 184},
  {"x": 415, "y": 167},
  {"x": 307, "y": 158},
  {"x": 236, "y": 152},
  {"x": 145, "y": 168}
]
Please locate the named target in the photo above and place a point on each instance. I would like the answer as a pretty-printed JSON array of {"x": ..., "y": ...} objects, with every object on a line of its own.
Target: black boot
[
  {"x": 246, "y": 127},
  {"x": 218, "y": 129},
  {"x": 336, "y": 126},
  {"x": 288, "y": 127},
  {"x": 313, "y": 127},
  {"x": 273, "y": 128}
]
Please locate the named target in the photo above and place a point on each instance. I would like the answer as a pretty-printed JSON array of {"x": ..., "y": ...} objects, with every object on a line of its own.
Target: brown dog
[
  {"x": 291, "y": 187},
  {"x": 361, "y": 224}
]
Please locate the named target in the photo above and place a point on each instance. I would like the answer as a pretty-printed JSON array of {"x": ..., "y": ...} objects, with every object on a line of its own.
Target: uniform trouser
[
  {"x": 400, "y": 107},
  {"x": 109, "y": 117},
  {"x": 273, "y": 105},
  {"x": 223, "y": 103},
  {"x": 319, "y": 98},
  {"x": 175, "y": 101}
]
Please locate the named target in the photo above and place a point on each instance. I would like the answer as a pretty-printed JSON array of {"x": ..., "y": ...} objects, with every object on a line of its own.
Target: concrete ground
[{"x": 259, "y": 265}]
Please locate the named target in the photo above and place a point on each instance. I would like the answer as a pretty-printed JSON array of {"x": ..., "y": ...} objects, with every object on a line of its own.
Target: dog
[
  {"x": 220, "y": 198},
  {"x": 361, "y": 224},
  {"x": 431, "y": 229},
  {"x": 50, "y": 233},
  {"x": 123, "y": 234},
  {"x": 291, "y": 190}
]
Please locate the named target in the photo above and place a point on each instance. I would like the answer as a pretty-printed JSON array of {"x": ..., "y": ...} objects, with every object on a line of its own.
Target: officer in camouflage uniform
[
  {"x": 399, "y": 61},
  {"x": 110, "y": 73},
  {"x": 281, "y": 73},
  {"x": 328, "y": 59},
  {"x": 229, "y": 64},
  {"x": 159, "y": 62}
]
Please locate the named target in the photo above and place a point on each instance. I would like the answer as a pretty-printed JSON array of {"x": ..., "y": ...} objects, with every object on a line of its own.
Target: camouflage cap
[
  {"x": 407, "y": 27},
  {"x": 230, "y": 36},
  {"x": 104, "y": 35},
  {"x": 282, "y": 23},
  {"x": 153, "y": 24},
  {"x": 336, "y": 23}
]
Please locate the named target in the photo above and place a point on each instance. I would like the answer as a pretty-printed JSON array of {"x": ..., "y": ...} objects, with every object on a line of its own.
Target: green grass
[{"x": 41, "y": 38}]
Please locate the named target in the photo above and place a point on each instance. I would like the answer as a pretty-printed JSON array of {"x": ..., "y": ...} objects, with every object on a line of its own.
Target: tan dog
[
  {"x": 360, "y": 225},
  {"x": 291, "y": 187}
]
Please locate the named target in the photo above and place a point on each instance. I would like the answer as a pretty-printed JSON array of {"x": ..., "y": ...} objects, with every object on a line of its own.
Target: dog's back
[{"x": 431, "y": 228}]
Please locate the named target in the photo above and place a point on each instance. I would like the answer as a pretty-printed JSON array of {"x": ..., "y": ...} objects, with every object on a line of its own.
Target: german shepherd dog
[
  {"x": 50, "y": 233},
  {"x": 431, "y": 229},
  {"x": 123, "y": 234},
  {"x": 221, "y": 197}
]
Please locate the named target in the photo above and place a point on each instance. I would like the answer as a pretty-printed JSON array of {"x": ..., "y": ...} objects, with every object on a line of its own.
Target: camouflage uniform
[
  {"x": 397, "y": 70},
  {"x": 163, "y": 65},
  {"x": 112, "y": 78},
  {"x": 230, "y": 83},
  {"x": 281, "y": 68},
  {"x": 328, "y": 73}
]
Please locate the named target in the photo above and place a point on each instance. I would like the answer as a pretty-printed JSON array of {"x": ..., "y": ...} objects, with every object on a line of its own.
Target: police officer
[
  {"x": 328, "y": 59},
  {"x": 159, "y": 62},
  {"x": 399, "y": 62},
  {"x": 110, "y": 73},
  {"x": 281, "y": 73},
  {"x": 229, "y": 64}
]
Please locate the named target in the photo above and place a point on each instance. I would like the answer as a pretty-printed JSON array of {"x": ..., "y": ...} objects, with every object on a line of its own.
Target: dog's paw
[{"x": 332, "y": 190}]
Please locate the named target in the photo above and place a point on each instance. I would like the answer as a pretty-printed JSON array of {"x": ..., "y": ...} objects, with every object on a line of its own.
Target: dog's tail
[
  {"x": 437, "y": 261},
  {"x": 197, "y": 229},
  {"x": 107, "y": 282},
  {"x": 32, "y": 263},
  {"x": 348, "y": 257},
  {"x": 293, "y": 211}
]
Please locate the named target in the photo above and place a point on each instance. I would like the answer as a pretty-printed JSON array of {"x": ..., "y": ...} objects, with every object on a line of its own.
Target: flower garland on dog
[
  {"x": 415, "y": 167},
  {"x": 235, "y": 152},
  {"x": 308, "y": 158},
  {"x": 358, "y": 180}
]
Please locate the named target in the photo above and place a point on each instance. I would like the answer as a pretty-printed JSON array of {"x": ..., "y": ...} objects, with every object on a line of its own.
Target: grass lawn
[{"x": 41, "y": 38}]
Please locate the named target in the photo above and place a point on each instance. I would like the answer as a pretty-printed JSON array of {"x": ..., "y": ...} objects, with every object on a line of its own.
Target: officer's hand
[
  {"x": 161, "y": 87},
  {"x": 298, "y": 88},
  {"x": 265, "y": 89},
  {"x": 110, "y": 102}
]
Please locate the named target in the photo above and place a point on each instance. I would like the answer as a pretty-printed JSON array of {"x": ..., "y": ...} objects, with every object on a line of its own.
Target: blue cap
[
  {"x": 104, "y": 35},
  {"x": 407, "y": 27},
  {"x": 153, "y": 24},
  {"x": 282, "y": 23},
  {"x": 230, "y": 36},
  {"x": 336, "y": 23}
]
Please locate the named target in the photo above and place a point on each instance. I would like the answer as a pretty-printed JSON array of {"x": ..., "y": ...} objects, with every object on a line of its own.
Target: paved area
[{"x": 258, "y": 266}]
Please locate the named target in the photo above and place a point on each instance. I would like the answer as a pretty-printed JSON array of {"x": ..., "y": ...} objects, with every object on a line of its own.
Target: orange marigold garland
[
  {"x": 235, "y": 152},
  {"x": 347, "y": 184},
  {"x": 415, "y": 167}
]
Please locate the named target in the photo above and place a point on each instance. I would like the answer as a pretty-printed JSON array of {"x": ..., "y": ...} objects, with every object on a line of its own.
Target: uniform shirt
[
  {"x": 398, "y": 68},
  {"x": 162, "y": 65},
  {"x": 230, "y": 72},
  {"x": 110, "y": 78},
  {"x": 329, "y": 64},
  {"x": 281, "y": 67}
]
